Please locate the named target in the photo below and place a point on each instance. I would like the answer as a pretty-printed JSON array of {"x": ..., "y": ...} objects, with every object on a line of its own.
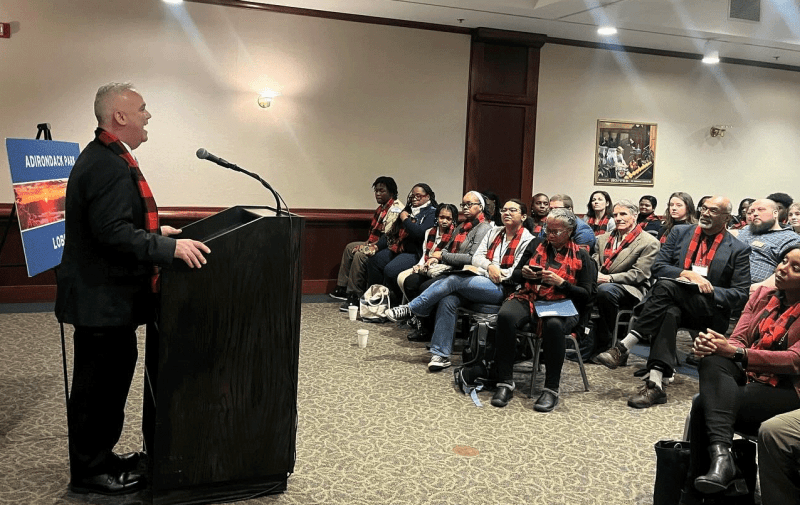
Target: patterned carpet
[{"x": 375, "y": 426}]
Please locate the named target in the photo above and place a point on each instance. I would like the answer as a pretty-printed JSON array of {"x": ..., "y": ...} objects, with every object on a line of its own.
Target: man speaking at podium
[{"x": 106, "y": 286}]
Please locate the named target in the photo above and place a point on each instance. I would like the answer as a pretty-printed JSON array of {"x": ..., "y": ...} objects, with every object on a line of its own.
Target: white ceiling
[{"x": 688, "y": 26}]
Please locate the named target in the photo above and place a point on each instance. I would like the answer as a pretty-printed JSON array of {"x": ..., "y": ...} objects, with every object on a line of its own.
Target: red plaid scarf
[
  {"x": 610, "y": 255},
  {"x": 538, "y": 224},
  {"x": 150, "y": 209},
  {"x": 704, "y": 255},
  {"x": 507, "y": 261},
  {"x": 599, "y": 226},
  {"x": 431, "y": 246},
  {"x": 773, "y": 326},
  {"x": 567, "y": 264},
  {"x": 376, "y": 228},
  {"x": 463, "y": 230}
]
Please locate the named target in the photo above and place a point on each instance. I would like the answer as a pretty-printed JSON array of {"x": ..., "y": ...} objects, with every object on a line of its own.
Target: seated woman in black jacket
[{"x": 551, "y": 268}]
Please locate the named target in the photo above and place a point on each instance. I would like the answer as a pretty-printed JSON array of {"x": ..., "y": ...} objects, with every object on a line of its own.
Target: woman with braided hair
[{"x": 747, "y": 378}]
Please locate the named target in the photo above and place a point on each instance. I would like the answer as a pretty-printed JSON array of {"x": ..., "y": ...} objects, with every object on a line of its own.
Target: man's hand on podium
[{"x": 191, "y": 251}]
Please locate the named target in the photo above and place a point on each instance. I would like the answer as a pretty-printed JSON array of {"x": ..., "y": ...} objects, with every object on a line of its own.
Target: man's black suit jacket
[
  {"x": 729, "y": 271},
  {"x": 104, "y": 277}
]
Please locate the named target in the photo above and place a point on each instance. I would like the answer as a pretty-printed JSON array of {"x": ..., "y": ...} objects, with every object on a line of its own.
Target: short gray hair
[
  {"x": 628, "y": 205},
  {"x": 102, "y": 99},
  {"x": 565, "y": 216}
]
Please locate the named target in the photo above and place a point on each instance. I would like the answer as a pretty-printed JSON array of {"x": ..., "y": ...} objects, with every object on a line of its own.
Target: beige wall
[
  {"x": 756, "y": 157},
  {"x": 358, "y": 100}
]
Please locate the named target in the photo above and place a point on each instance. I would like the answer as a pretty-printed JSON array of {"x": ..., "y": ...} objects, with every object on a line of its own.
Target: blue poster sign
[{"x": 39, "y": 173}]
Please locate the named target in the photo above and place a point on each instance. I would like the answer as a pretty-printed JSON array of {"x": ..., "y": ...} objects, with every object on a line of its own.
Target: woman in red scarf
[
  {"x": 680, "y": 210},
  {"x": 552, "y": 268},
  {"x": 598, "y": 213},
  {"x": 746, "y": 379}
]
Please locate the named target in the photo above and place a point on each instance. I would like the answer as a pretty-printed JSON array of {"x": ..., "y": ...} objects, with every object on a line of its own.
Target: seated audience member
[
  {"x": 647, "y": 214},
  {"x": 458, "y": 252},
  {"x": 779, "y": 459},
  {"x": 747, "y": 378},
  {"x": 352, "y": 279},
  {"x": 400, "y": 246},
  {"x": 704, "y": 276},
  {"x": 740, "y": 220},
  {"x": 598, "y": 213},
  {"x": 583, "y": 232},
  {"x": 680, "y": 210},
  {"x": 767, "y": 241},
  {"x": 794, "y": 217},
  {"x": 783, "y": 201},
  {"x": 624, "y": 258},
  {"x": 540, "y": 207},
  {"x": 495, "y": 259},
  {"x": 551, "y": 268},
  {"x": 492, "y": 209},
  {"x": 700, "y": 204}
]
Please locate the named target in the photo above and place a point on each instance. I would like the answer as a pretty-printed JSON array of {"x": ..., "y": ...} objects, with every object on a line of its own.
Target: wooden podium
[{"x": 220, "y": 416}]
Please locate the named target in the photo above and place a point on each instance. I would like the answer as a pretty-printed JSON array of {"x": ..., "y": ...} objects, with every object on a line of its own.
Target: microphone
[{"x": 205, "y": 155}]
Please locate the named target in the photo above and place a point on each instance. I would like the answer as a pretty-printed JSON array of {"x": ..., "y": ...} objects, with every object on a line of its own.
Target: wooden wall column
[{"x": 501, "y": 116}]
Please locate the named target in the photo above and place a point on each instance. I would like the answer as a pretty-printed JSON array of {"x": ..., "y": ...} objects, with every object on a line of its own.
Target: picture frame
[{"x": 625, "y": 153}]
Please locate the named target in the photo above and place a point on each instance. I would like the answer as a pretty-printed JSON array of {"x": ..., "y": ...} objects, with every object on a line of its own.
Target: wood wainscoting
[{"x": 327, "y": 233}]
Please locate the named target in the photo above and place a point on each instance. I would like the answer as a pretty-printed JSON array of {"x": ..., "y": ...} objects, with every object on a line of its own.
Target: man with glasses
[
  {"x": 767, "y": 240},
  {"x": 704, "y": 276}
]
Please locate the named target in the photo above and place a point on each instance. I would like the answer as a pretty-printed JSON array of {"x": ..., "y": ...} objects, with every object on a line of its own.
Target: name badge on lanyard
[{"x": 700, "y": 270}]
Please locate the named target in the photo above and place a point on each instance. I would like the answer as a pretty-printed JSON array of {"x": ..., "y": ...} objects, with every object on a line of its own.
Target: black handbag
[{"x": 672, "y": 466}]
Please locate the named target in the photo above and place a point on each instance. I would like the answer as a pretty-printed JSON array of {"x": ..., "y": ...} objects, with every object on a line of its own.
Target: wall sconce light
[
  {"x": 266, "y": 97},
  {"x": 719, "y": 130}
]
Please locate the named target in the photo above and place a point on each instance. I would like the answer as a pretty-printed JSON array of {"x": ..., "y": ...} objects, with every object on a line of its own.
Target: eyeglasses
[
  {"x": 556, "y": 233},
  {"x": 506, "y": 210},
  {"x": 467, "y": 206},
  {"x": 713, "y": 211},
  {"x": 417, "y": 196}
]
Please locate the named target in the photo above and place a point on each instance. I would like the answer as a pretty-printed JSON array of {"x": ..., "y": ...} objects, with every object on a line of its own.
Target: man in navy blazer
[
  {"x": 106, "y": 285},
  {"x": 704, "y": 276}
]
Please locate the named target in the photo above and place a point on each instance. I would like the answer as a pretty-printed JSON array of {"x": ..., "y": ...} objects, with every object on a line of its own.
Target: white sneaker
[
  {"x": 438, "y": 363},
  {"x": 399, "y": 313}
]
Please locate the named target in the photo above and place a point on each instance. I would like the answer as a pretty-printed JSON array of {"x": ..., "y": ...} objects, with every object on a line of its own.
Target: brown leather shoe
[
  {"x": 614, "y": 357},
  {"x": 647, "y": 396}
]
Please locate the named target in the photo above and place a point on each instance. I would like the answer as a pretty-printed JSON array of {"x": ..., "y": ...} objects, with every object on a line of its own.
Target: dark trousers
[
  {"x": 727, "y": 403},
  {"x": 103, "y": 367},
  {"x": 670, "y": 306},
  {"x": 384, "y": 267},
  {"x": 610, "y": 299},
  {"x": 414, "y": 285},
  {"x": 515, "y": 314}
]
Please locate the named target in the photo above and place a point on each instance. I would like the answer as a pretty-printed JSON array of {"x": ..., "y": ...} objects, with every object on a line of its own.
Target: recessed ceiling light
[
  {"x": 173, "y": 1},
  {"x": 607, "y": 30}
]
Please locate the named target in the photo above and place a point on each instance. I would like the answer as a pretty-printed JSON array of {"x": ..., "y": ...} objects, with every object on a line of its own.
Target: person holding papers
[
  {"x": 485, "y": 281},
  {"x": 552, "y": 268},
  {"x": 703, "y": 276}
]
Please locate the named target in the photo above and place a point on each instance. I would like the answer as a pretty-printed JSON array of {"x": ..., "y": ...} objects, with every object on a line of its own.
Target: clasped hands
[
  {"x": 702, "y": 282},
  {"x": 712, "y": 342}
]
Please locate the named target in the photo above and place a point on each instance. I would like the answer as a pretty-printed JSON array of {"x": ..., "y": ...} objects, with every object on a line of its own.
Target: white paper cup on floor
[
  {"x": 352, "y": 312},
  {"x": 363, "y": 336}
]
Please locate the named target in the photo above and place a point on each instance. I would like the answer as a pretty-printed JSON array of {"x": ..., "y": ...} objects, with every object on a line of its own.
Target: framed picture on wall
[{"x": 625, "y": 153}]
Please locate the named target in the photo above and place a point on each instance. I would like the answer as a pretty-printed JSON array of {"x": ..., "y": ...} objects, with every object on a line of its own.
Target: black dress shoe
[
  {"x": 723, "y": 475},
  {"x": 503, "y": 395},
  {"x": 420, "y": 335},
  {"x": 109, "y": 483},
  {"x": 547, "y": 401}
]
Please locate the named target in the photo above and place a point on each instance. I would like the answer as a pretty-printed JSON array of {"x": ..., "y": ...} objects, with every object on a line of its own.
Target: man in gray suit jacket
[
  {"x": 624, "y": 258},
  {"x": 704, "y": 275}
]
